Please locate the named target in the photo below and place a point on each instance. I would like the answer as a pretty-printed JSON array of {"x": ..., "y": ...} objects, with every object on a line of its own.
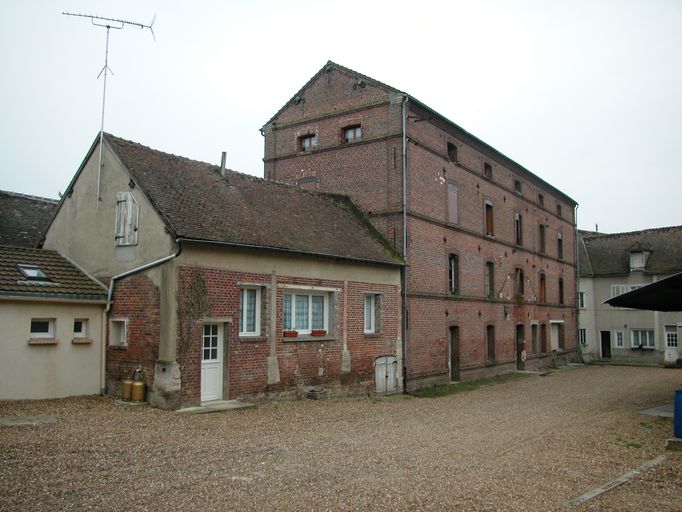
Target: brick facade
[
  {"x": 303, "y": 361},
  {"x": 136, "y": 300},
  {"x": 370, "y": 172}
]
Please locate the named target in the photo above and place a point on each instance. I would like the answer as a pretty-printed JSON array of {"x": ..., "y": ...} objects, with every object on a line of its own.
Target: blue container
[{"x": 677, "y": 421}]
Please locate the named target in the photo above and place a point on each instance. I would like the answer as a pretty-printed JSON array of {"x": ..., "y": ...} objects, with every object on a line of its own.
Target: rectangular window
[
  {"x": 558, "y": 209},
  {"x": 637, "y": 261},
  {"x": 118, "y": 337},
  {"x": 489, "y": 226},
  {"x": 581, "y": 300},
  {"x": 127, "y": 217},
  {"x": 32, "y": 272},
  {"x": 561, "y": 291},
  {"x": 452, "y": 152},
  {"x": 490, "y": 342},
  {"x": 619, "y": 289},
  {"x": 80, "y": 328},
  {"x": 42, "y": 327},
  {"x": 543, "y": 288},
  {"x": 534, "y": 338},
  {"x": 560, "y": 333},
  {"x": 490, "y": 280},
  {"x": 518, "y": 280},
  {"x": 643, "y": 338},
  {"x": 453, "y": 274},
  {"x": 671, "y": 336},
  {"x": 304, "y": 312},
  {"x": 488, "y": 170},
  {"x": 517, "y": 187},
  {"x": 559, "y": 246},
  {"x": 543, "y": 338},
  {"x": 518, "y": 229},
  {"x": 452, "y": 204},
  {"x": 620, "y": 339},
  {"x": 583, "y": 337},
  {"x": 541, "y": 200},
  {"x": 371, "y": 314},
  {"x": 249, "y": 311},
  {"x": 542, "y": 238},
  {"x": 307, "y": 142},
  {"x": 209, "y": 343},
  {"x": 352, "y": 134}
]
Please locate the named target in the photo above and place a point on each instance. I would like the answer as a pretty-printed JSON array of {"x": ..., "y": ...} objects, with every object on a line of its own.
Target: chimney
[{"x": 223, "y": 160}]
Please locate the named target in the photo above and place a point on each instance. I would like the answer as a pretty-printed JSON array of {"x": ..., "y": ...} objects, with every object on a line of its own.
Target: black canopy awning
[{"x": 663, "y": 295}]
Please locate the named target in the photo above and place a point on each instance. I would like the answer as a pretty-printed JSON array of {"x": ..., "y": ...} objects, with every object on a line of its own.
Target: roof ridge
[
  {"x": 638, "y": 232},
  {"x": 30, "y": 196}
]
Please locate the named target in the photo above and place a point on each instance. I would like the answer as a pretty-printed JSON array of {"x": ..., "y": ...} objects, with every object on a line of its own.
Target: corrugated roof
[
  {"x": 64, "y": 280},
  {"x": 196, "y": 202},
  {"x": 609, "y": 254},
  {"x": 23, "y": 218}
]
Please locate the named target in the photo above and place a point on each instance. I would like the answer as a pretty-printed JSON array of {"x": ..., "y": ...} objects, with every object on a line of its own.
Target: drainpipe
[
  {"x": 404, "y": 268},
  {"x": 105, "y": 313},
  {"x": 579, "y": 349}
]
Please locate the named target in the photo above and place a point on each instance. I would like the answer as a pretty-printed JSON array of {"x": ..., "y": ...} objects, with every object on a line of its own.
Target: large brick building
[{"x": 491, "y": 277}]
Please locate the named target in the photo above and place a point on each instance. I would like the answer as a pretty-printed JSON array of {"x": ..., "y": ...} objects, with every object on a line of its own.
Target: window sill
[
  {"x": 306, "y": 338},
  {"x": 81, "y": 341},
  {"x": 373, "y": 334},
  {"x": 252, "y": 339},
  {"x": 43, "y": 341},
  {"x": 118, "y": 347}
]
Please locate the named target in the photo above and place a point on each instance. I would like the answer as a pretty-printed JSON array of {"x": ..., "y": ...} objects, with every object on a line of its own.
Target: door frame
[
  {"x": 453, "y": 352},
  {"x": 520, "y": 343},
  {"x": 601, "y": 344},
  {"x": 222, "y": 356}
]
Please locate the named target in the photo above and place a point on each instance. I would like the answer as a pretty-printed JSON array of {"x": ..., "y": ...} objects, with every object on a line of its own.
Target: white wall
[{"x": 48, "y": 371}]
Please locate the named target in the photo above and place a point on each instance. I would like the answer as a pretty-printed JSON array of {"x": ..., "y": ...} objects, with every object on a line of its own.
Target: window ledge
[
  {"x": 373, "y": 334},
  {"x": 252, "y": 339},
  {"x": 307, "y": 338},
  {"x": 118, "y": 347},
  {"x": 43, "y": 341},
  {"x": 81, "y": 341}
]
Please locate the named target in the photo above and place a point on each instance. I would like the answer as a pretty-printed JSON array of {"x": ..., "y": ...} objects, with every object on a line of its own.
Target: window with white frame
[
  {"x": 643, "y": 338},
  {"x": 118, "y": 336},
  {"x": 249, "y": 311},
  {"x": 581, "y": 300},
  {"x": 371, "y": 309},
  {"x": 619, "y": 289},
  {"x": 305, "y": 311},
  {"x": 42, "y": 327},
  {"x": 80, "y": 328},
  {"x": 620, "y": 339},
  {"x": 583, "y": 337},
  {"x": 637, "y": 260},
  {"x": 671, "y": 336},
  {"x": 127, "y": 217}
]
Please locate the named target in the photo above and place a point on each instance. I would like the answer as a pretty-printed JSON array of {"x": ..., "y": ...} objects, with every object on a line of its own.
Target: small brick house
[
  {"x": 491, "y": 277},
  {"x": 224, "y": 285}
]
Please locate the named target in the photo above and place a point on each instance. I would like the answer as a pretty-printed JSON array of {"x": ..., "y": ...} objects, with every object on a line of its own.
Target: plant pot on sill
[
  {"x": 290, "y": 334},
  {"x": 318, "y": 332}
]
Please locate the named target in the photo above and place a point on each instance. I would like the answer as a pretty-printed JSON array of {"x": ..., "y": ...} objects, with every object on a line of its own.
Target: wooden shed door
[{"x": 385, "y": 374}]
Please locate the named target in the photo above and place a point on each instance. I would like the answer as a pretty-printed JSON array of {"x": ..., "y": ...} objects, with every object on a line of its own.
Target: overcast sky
[{"x": 585, "y": 94}]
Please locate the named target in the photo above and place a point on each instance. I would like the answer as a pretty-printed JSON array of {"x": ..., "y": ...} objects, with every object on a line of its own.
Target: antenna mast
[{"x": 116, "y": 24}]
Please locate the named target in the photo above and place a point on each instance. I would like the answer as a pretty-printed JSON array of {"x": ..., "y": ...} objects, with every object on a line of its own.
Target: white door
[
  {"x": 385, "y": 375},
  {"x": 211, "y": 363}
]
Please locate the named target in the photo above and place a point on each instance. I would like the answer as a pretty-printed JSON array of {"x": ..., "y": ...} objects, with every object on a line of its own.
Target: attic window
[
  {"x": 352, "y": 133},
  {"x": 307, "y": 142},
  {"x": 32, "y": 272},
  {"x": 488, "y": 170},
  {"x": 517, "y": 187},
  {"x": 452, "y": 152},
  {"x": 637, "y": 260}
]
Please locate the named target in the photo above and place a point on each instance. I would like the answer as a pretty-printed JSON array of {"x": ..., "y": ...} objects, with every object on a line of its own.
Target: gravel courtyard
[{"x": 526, "y": 444}]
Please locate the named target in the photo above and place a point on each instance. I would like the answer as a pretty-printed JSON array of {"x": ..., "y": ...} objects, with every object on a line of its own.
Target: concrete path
[{"x": 216, "y": 406}]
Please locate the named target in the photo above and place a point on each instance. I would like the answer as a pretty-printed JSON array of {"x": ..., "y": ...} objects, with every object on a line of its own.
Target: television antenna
[{"x": 116, "y": 24}]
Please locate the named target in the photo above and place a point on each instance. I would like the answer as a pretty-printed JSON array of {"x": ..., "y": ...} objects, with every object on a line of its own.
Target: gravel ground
[{"x": 526, "y": 444}]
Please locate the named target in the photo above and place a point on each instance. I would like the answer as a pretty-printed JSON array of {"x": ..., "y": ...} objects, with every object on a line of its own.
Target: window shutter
[
  {"x": 127, "y": 214},
  {"x": 452, "y": 204}
]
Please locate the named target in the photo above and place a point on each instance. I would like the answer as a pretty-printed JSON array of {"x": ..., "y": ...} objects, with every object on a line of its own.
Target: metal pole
[{"x": 101, "y": 130}]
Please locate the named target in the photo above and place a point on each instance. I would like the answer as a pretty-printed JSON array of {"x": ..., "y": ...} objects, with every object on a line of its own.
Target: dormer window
[
  {"x": 352, "y": 133},
  {"x": 307, "y": 142},
  {"x": 638, "y": 260},
  {"x": 32, "y": 272}
]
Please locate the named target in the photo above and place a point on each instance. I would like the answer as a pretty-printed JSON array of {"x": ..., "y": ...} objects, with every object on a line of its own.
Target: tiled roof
[
  {"x": 196, "y": 202},
  {"x": 609, "y": 254},
  {"x": 23, "y": 218},
  {"x": 64, "y": 279}
]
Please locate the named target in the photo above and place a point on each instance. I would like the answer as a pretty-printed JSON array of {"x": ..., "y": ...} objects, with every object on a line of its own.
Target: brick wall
[
  {"x": 301, "y": 363},
  {"x": 370, "y": 172},
  {"x": 136, "y": 299}
]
